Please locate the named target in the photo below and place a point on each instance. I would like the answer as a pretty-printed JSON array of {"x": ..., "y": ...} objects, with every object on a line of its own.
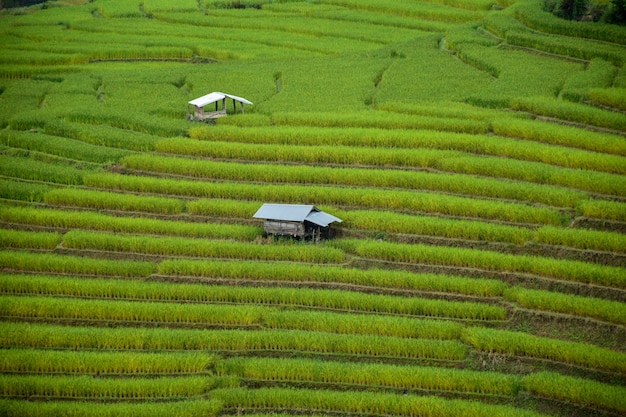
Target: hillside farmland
[{"x": 475, "y": 150}]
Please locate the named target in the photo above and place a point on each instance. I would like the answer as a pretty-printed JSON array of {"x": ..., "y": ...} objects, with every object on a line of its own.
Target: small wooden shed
[
  {"x": 196, "y": 108},
  {"x": 297, "y": 220}
]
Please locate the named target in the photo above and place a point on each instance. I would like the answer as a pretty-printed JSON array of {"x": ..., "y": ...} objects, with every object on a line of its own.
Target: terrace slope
[{"x": 475, "y": 150}]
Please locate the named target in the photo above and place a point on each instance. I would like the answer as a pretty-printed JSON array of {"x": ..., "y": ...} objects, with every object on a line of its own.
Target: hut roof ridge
[{"x": 216, "y": 96}]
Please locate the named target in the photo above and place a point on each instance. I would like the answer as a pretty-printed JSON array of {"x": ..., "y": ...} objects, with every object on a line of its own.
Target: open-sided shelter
[
  {"x": 297, "y": 220},
  {"x": 198, "y": 105}
]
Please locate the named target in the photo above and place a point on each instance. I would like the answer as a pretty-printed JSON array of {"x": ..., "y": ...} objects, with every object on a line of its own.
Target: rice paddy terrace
[{"x": 475, "y": 150}]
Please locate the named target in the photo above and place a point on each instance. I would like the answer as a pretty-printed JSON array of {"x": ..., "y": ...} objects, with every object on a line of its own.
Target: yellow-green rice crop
[
  {"x": 371, "y": 278},
  {"x": 20, "y": 239},
  {"x": 560, "y": 135},
  {"x": 149, "y": 339},
  {"x": 117, "y": 388},
  {"x": 360, "y": 197},
  {"x": 188, "y": 408},
  {"x": 362, "y": 324},
  {"x": 601, "y": 209},
  {"x": 534, "y": 16},
  {"x": 195, "y": 247},
  {"x": 32, "y": 169},
  {"x": 606, "y": 310},
  {"x": 488, "y": 260},
  {"x": 75, "y": 197},
  {"x": 292, "y": 297},
  {"x": 613, "y": 97},
  {"x": 60, "y": 146},
  {"x": 369, "y": 403},
  {"x": 574, "y": 112},
  {"x": 412, "y": 180},
  {"x": 377, "y": 375},
  {"x": 80, "y": 265},
  {"x": 128, "y": 311},
  {"x": 98, "y": 221},
  {"x": 524, "y": 344},
  {"x": 25, "y": 191},
  {"x": 52, "y": 361},
  {"x": 582, "y": 239},
  {"x": 577, "y": 390}
]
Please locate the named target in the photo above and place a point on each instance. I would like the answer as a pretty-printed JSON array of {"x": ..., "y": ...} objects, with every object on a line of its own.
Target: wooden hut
[
  {"x": 196, "y": 108},
  {"x": 297, "y": 220}
]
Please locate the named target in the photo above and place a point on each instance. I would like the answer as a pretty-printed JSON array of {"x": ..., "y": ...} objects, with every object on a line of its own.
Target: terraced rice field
[{"x": 475, "y": 150}]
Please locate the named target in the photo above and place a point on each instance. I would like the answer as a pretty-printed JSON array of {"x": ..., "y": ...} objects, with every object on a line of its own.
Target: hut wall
[{"x": 277, "y": 227}]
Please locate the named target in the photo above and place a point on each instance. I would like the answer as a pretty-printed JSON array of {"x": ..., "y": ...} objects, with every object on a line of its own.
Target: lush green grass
[{"x": 474, "y": 136}]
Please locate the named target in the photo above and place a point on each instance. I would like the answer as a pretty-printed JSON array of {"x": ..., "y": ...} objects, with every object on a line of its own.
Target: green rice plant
[
  {"x": 326, "y": 154},
  {"x": 22, "y": 72},
  {"x": 21, "y": 239},
  {"x": 102, "y": 135},
  {"x": 178, "y": 246},
  {"x": 581, "y": 239},
  {"x": 450, "y": 161},
  {"x": 577, "y": 390},
  {"x": 36, "y": 58},
  {"x": 187, "y": 408},
  {"x": 371, "y": 375},
  {"x": 24, "y": 191},
  {"x": 128, "y": 311},
  {"x": 433, "y": 226},
  {"x": 244, "y": 120},
  {"x": 67, "y": 148},
  {"x": 98, "y": 363},
  {"x": 52, "y": 263},
  {"x": 611, "y": 311},
  {"x": 572, "y": 112},
  {"x": 293, "y": 297},
  {"x": 380, "y": 120},
  {"x": 598, "y": 74},
  {"x": 81, "y": 338},
  {"x": 136, "y": 122},
  {"x": 32, "y": 169},
  {"x": 362, "y": 324},
  {"x": 357, "y": 197},
  {"x": 413, "y": 180},
  {"x": 30, "y": 120},
  {"x": 162, "y": 5},
  {"x": 75, "y": 197},
  {"x": 21, "y": 386},
  {"x": 470, "y": 32},
  {"x": 446, "y": 109},
  {"x": 534, "y": 172},
  {"x": 524, "y": 344},
  {"x": 532, "y": 14},
  {"x": 355, "y": 138},
  {"x": 612, "y": 97},
  {"x": 220, "y": 207},
  {"x": 372, "y": 278},
  {"x": 560, "y": 135},
  {"x": 416, "y": 10},
  {"x": 601, "y": 209},
  {"x": 572, "y": 47},
  {"x": 103, "y": 222},
  {"x": 117, "y": 8},
  {"x": 488, "y": 260},
  {"x": 369, "y": 403}
]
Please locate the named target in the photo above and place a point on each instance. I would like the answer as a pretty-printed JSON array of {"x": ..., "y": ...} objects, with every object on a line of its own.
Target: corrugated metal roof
[
  {"x": 322, "y": 219},
  {"x": 216, "y": 96},
  {"x": 295, "y": 213}
]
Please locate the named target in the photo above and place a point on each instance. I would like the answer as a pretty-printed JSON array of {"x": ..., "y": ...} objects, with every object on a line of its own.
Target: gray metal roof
[
  {"x": 295, "y": 213},
  {"x": 216, "y": 96}
]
